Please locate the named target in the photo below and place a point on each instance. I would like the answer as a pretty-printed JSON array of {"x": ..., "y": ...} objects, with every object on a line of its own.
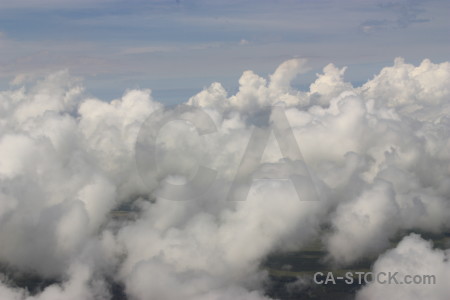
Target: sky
[
  {"x": 176, "y": 48},
  {"x": 300, "y": 123}
]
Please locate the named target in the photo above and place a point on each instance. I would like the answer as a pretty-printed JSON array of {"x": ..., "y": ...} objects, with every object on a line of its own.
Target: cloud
[
  {"x": 361, "y": 225},
  {"x": 412, "y": 256},
  {"x": 243, "y": 42},
  {"x": 377, "y": 155}
]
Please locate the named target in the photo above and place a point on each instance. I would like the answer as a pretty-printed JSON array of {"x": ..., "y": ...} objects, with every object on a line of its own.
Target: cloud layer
[{"x": 376, "y": 158}]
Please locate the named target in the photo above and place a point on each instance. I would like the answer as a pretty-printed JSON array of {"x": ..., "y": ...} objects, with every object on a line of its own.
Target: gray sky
[{"x": 178, "y": 47}]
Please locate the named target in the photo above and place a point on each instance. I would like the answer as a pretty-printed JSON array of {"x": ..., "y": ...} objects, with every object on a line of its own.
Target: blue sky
[{"x": 178, "y": 47}]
